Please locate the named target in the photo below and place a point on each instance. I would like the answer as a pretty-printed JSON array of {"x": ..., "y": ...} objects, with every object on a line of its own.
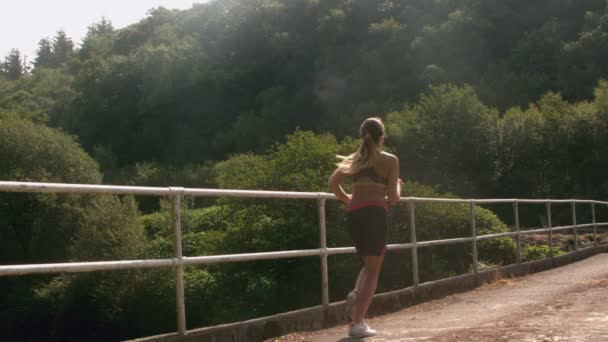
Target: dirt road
[{"x": 569, "y": 303}]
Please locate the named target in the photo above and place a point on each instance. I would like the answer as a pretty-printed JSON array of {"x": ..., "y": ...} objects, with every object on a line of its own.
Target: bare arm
[
  {"x": 394, "y": 183},
  {"x": 335, "y": 186}
]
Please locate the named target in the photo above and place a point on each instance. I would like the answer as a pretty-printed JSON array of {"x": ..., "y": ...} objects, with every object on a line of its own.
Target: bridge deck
[{"x": 569, "y": 303}]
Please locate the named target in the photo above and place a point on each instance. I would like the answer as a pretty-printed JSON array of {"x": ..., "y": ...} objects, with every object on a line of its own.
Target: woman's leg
[
  {"x": 366, "y": 283},
  {"x": 360, "y": 280},
  {"x": 351, "y": 299}
]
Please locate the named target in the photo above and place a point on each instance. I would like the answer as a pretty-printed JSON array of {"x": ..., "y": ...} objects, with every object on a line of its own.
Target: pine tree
[
  {"x": 63, "y": 48},
  {"x": 12, "y": 67},
  {"x": 100, "y": 29},
  {"x": 44, "y": 55}
]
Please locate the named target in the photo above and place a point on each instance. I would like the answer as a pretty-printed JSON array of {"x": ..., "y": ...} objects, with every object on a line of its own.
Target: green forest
[{"x": 481, "y": 99}]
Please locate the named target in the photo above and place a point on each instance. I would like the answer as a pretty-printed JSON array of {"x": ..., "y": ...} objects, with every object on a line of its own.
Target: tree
[
  {"x": 102, "y": 28},
  {"x": 456, "y": 46},
  {"x": 110, "y": 230},
  {"x": 37, "y": 227},
  {"x": 446, "y": 139},
  {"x": 63, "y": 49},
  {"x": 98, "y": 41},
  {"x": 13, "y": 66},
  {"x": 44, "y": 96},
  {"x": 582, "y": 62},
  {"x": 45, "y": 57},
  {"x": 34, "y": 152},
  {"x": 43, "y": 228}
]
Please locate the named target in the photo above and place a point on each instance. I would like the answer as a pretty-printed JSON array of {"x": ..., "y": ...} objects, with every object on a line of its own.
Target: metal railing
[{"x": 179, "y": 261}]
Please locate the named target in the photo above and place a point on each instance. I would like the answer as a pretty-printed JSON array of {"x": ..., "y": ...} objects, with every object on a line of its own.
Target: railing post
[
  {"x": 573, "y": 204},
  {"x": 593, "y": 221},
  {"x": 411, "y": 204},
  {"x": 517, "y": 240},
  {"x": 474, "y": 235},
  {"x": 179, "y": 269},
  {"x": 550, "y": 226},
  {"x": 323, "y": 242}
]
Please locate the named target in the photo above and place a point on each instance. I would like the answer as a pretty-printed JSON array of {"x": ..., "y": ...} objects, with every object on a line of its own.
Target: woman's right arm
[
  {"x": 394, "y": 183},
  {"x": 335, "y": 186}
]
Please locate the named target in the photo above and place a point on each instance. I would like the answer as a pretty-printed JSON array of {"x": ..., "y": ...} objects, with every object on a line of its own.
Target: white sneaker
[
  {"x": 351, "y": 304},
  {"x": 361, "y": 330}
]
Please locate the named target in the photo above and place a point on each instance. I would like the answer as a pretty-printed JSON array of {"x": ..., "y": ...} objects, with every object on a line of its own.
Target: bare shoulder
[
  {"x": 389, "y": 158},
  {"x": 388, "y": 162}
]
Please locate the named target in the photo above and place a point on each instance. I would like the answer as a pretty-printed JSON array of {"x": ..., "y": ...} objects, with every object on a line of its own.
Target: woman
[{"x": 375, "y": 177}]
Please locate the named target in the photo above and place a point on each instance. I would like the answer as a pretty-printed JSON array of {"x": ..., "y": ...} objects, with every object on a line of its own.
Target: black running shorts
[{"x": 368, "y": 228}]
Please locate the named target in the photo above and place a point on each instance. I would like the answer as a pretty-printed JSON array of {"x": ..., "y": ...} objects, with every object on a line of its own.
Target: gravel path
[{"x": 569, "y": 303}]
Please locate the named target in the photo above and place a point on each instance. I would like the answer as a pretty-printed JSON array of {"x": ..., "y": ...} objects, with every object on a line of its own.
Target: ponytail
[{"x": 371, "y": 131}]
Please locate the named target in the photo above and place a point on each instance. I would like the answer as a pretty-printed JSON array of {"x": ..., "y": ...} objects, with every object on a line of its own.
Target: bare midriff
[{"x": 367, "y": 193}]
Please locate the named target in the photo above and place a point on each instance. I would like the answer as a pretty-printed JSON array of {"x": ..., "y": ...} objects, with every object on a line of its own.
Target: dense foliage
[
  {"x": 233, "y": 76},
  {"x": 481, "y": 98}
]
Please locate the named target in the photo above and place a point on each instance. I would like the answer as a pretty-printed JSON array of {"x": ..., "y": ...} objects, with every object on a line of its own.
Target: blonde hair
[{"x": 371, "y": 130}]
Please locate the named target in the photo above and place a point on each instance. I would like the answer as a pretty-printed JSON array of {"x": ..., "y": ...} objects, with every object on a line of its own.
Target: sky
[{"x": 24, "y": 23}]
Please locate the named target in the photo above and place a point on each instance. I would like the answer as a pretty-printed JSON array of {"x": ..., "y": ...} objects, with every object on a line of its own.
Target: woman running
[{"x": 375, "y": 177}]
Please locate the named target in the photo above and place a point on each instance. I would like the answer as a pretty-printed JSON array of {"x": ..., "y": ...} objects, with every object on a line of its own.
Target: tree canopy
[{"x": 481, "y": 98}]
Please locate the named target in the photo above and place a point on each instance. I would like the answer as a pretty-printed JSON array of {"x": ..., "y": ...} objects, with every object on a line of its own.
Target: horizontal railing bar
[
  {"x": 352, "y": 250},
  {"x": 498, "y": 235},
  {"x": 542, "y": 201},
  {"x": 532, "y": 201},
  {"x": 496, "y": 200},
  {"x": 6, "y": 186},
  {"x": 160, "y": 191},
  {"x": 78, "y": 267},
  {"x": 400, "y": 246},
  {"x": 534, "y": 231},
  {"x": 341, "y": 250},
  {"x": 81, "y": 188},
  {"x": 257, "y": 194},
  {"x": 220, "y": 259},
  {"x": 443, "y": 242},
  {"x": 556, "y": 229},
  {"x": 495, "y": 236},
  {"x": 567, "y": 201},
  {"x": 435, "y": 200}
]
